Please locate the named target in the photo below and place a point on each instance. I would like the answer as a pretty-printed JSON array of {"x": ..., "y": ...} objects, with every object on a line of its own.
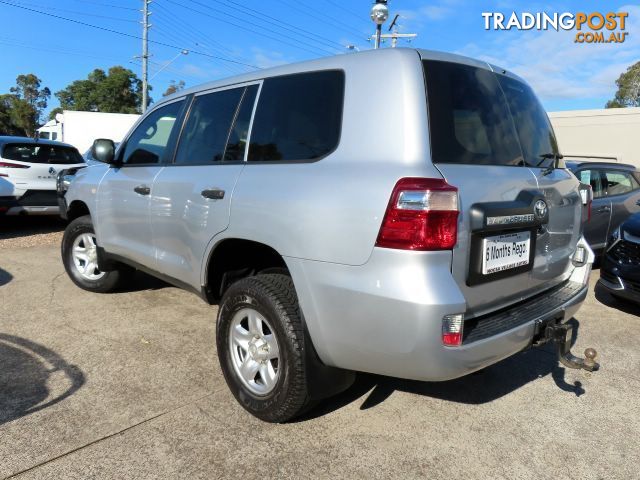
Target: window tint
[
  {"x": 469, "y": 118},
  {"x": 592, "y": 177},
  {"x": 206, "y": 132},
  {"x": 618, "y": 182},
  {"x": 536, "y": 136},
  {"x": 147, "y": 144},
  {"x": 35, "y": 153},
  {"x": 298, "y": 117}
]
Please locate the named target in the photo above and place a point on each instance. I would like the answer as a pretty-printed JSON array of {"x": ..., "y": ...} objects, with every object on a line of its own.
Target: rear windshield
[
  {"x": 35, "y": 153},
  {"x": 479, "y": 117}
]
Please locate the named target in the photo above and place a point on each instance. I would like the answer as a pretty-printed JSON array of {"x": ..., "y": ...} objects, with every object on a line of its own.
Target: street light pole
[
  {"x": 379, "y": 15},
  {"x": 182, "y": 52}
]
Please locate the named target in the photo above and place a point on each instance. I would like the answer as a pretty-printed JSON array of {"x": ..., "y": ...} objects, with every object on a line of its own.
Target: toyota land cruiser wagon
[{"x": 402, "y": 212}]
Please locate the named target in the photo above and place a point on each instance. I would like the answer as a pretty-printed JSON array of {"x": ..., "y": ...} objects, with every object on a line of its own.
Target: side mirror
[{"x": 104, "y": 150}]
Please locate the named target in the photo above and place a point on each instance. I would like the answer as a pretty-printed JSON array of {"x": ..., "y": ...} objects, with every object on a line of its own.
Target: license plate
[{"x": 504, "y": 252}]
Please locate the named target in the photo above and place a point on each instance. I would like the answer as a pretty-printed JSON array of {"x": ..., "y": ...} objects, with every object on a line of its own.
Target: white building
[{"x": 603, "y": 135}]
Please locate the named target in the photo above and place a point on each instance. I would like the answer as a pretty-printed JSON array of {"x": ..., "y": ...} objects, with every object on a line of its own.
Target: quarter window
[
  {"x": 298, "y": 117},
  {"x": 148, "y": 143}
]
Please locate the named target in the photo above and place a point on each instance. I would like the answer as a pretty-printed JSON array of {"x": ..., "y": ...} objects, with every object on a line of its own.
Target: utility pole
[
  {"x": 145, "y": 54},
  {"x": 394, "y": 35}
]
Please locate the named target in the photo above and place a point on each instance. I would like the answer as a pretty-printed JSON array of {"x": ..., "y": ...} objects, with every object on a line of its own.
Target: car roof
[
  {"x": 576, "y": 165},
  {"x": 28, "y": 140},
  {"x": 367, "y": 59}
]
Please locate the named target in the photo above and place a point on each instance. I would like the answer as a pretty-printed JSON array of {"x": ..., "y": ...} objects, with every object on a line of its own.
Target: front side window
[
  {"x": 148, "y": 143},
  {"x": 593, "y": 178},
  {"x": 35, "y": 153},
  {"x": 619, "y": 183},
  {"x": 298, "y": 117}
]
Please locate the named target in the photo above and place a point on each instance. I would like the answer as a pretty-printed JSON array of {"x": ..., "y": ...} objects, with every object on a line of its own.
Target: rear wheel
[
  {"x": 79, "y": 255},
  {"x": 260, "y": 339}
]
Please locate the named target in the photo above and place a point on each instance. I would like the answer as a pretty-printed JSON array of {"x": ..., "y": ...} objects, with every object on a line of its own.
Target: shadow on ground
[
  {"x": 22, "y": 226},
  {"x": 27, "y": 382},
  {"x": 626, "y": 306},
  {"x": 481, "y": 387},
  {"x": 5, "y": 277}
]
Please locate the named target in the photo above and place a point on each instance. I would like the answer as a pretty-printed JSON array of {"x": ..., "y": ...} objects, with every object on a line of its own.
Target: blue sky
[{"x": 565, "y": 75}]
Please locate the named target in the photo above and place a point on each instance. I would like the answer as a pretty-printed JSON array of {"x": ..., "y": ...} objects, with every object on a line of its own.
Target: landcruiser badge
[
  {"x": 540, "y": 209},
  {"x": 52, "y": 171}
]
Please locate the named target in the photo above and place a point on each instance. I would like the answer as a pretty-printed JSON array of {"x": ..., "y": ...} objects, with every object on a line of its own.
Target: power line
[
  {"x": 284, "y": 25},
  {"x": 316, "y": 14},
  {"x": 123, "y": 33},
  {"x": 344, "y": 9},
  {"x": 75, "y": 12},
  {"x": 193, "y": 33},
  {"x": 298, "y": 46}
]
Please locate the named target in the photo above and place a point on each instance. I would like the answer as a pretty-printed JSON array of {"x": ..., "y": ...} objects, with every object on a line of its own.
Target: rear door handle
[
  {"x": 142, "y": 190},
  {"x": 603, "y": 210},
  {"x": 213, "y": 194}
]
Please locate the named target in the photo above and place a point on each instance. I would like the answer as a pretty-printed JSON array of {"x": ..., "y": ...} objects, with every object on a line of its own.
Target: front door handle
[
  {"x": 142, "y": 190},
  {"x": 213, "y": 194},
  {"x": 603, "y": 210}
]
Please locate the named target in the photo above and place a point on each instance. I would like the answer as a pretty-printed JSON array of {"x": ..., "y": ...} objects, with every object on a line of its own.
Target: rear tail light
[
  {"x": 422, "y": 215},
  {"x": 13, "y": 165},
  {"x": 452, "y": 330}
]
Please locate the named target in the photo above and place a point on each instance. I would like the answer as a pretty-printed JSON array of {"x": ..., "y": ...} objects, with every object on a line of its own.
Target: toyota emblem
[{"x": 540, "y": 209}]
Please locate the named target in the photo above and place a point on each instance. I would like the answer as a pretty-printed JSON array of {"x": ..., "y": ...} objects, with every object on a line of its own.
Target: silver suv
[{"x": 401, "y": 212}]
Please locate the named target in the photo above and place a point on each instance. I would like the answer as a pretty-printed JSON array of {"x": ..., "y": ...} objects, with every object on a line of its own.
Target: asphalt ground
[{"x": 127, "y": 385}]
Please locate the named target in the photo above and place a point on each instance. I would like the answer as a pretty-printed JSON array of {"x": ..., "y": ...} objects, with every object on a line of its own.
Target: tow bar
[{"x": 560, "y": 334}]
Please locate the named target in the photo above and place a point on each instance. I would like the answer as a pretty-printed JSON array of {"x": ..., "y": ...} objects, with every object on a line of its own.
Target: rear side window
[
  {"x": 298, "y": 117},
  {"x": 469, "y": 118},
  {"x": 205, "y": 134},
  {"x": 35, "y": 153},
  {"x": 619, "y": 183}
]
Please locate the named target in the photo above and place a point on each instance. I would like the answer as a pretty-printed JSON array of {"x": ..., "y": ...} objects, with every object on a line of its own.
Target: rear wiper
[{"x": 545, "y": 156}]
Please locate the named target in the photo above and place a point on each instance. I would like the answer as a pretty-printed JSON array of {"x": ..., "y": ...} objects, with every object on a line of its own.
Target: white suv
[{"x": 28, "y": 171}]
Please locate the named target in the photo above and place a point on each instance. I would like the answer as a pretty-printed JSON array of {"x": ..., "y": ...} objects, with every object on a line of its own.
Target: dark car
[
  {"x": 620, "y": 272},
  {"x": 616, "y": 195}
]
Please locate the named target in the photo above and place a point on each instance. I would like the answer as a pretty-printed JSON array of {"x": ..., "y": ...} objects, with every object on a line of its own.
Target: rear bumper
[
  {"x": 33, "y": 202},
  {"x": 385, "y": 317}
]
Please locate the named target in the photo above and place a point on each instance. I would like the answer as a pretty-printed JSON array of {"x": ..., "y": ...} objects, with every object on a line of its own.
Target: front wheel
[
  {"x": 260, "y": 339},
  {"x": 80, "y": 259}
]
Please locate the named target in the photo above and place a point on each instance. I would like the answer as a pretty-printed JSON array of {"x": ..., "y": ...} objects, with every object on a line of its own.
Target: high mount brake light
[{"x": 422, "y": 215}]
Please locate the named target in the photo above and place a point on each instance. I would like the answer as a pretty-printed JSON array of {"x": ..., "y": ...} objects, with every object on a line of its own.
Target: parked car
[
  {"x": 425, "y": 248},
  {"x": 616, "y": 195},
  {"x": 28, "y": 172},
  {"x": 620, "y": 271}
]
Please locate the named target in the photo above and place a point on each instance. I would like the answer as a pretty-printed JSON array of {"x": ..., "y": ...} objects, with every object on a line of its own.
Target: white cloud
[
  {"x": 559, "y": 68},
  {"x": 265, "y": 59}
]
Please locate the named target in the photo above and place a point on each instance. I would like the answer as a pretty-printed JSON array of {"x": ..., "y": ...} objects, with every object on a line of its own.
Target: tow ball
[{"x": 560, "y": 335}]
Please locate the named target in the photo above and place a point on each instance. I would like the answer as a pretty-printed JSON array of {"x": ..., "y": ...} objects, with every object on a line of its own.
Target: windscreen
[
  {"x": 479, "y": 117},
  {"x": 41, "y": 153}
]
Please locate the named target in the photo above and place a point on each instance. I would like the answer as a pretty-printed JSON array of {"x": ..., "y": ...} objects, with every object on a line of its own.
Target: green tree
[
  {"x": 117, "y": 91},
  {"x": 17, "y": 116},
  {"x": 174, "y": 87},
  {"x": 54, "y": 112},
  {"x": 628, "y": 94}
]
